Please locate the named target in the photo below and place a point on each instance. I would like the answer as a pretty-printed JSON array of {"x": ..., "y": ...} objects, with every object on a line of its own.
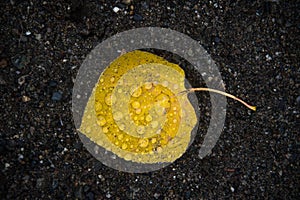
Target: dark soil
[{"x": 256, "y": 47}]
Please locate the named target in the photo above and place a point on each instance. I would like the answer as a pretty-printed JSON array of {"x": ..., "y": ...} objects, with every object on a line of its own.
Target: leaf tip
[{"x": 252, "y": 108}]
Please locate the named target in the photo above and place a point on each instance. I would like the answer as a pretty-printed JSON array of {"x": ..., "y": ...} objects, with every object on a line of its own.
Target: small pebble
[
  {"x": 217, "y": 39},
  {"x": 86, "y": 188},
  {"x": 126, "y": 1},
  {"x": 121, "y": 5},
  {"x": 56, "y": 96},
  {"x": 188, "y": 195},
  {"x": 116, "y": 9},
  {"x": 38, "y": 36},
  {"x": 145, "y": 5},
  {"x": 268, "y": 57},
  {"x": 21, "y": 80},
  {"x": 90, "y": 196},
  {"x": 52, "y": 83},
  {"x": 232, "y": 189},
  {"x": 2, "y": 81},
  {"x": 25, "y": 98},
  {"x": 3, "y": 63},
  {"x": 23, "y": 38},
  {"x": 20, "y": 61},
  {"x": 54, "y": 184},
  {"x": 137, "y": 17},
  {"x": 108, "y": 195},
  {"x": 39, "y": 182},
  {"x": 156, "y": 195},
  {"x": 298, "y": 99}
]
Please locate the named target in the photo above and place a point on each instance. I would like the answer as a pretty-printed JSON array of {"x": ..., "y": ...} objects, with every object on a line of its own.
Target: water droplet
[
  {"x": 88, "y": 129},
  {"x": 159, "y": 149},
  {"x": 143, "y": 143},
  {"x": 98, "y": 106},
  {"x": 162, "y": 97},
  {"x": 138, "y": 111},
  {"x": 136, "y": 92},
  {"x": 140, "y": 130},
  {"x": 118, "y": 116},
  {"x": 165, "y": 104},
  {"x": 120, "y": 136},
  {"x": 101, "y": 120},
  {"x": 108, "y": 100},
  {"x": 135, "y": 104},
  {"x": 154, "y": 124},
  {"x": 148, "y": 118},
  {"x": 127, "y": 157},
  {"x": 159, "y": 110},
  {"x": 124, "y": 146},
  {"x": 156, "y": 91},
  {"x": 113, "y": 99},
  {"x": 148, "y": 85},
  {"x": 122, "y": 127},
  {"x": 100, "y": 142},
  {"x": 105, "y": 129},
  {"x": 165, "y": 83}
]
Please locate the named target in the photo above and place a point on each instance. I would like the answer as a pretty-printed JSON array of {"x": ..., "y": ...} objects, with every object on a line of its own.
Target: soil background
[{"x": 255, "y": 44}]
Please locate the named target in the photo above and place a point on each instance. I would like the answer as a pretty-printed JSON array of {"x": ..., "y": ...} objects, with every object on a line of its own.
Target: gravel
[{"x": 256, "y": 47}]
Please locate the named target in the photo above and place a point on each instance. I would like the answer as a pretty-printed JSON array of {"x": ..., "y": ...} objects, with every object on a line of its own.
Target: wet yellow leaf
[{"x": 135, "y": 111}]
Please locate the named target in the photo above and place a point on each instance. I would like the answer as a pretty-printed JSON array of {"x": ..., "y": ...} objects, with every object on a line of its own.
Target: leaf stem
[{"x": 218, "y": 92}]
